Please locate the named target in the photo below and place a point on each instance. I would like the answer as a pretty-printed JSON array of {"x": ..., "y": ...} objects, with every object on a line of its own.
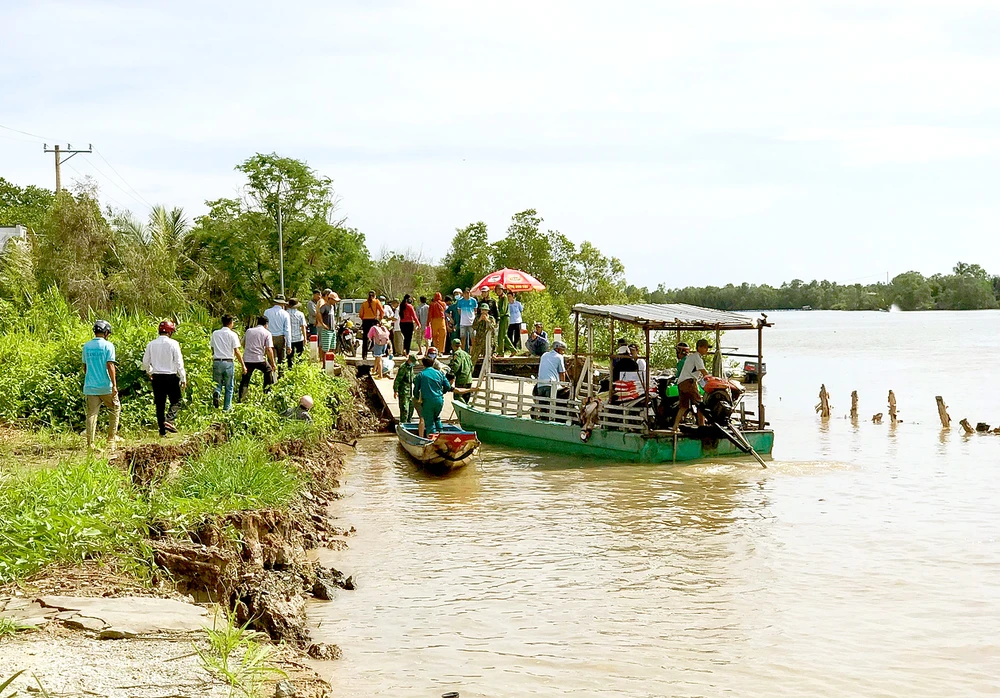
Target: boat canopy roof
[{"x": 669, "y": 316}]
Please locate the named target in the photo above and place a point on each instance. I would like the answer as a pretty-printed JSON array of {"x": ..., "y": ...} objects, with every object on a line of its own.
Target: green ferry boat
[{"x": 584, "y": 421}]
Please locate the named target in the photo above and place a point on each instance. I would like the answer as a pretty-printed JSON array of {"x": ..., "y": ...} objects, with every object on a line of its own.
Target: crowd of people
[{"x": 461, "y": 325}]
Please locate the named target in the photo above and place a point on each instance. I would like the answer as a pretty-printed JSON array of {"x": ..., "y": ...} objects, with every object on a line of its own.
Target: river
[{"x": 864, "y": 561}]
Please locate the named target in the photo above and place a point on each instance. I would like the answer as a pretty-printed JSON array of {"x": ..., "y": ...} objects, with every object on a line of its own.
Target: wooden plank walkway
[{"x": 384, "y": 386}]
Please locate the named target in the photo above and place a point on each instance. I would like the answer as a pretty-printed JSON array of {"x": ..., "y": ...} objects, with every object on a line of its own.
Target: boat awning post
[{"x": 760, "y": 371}]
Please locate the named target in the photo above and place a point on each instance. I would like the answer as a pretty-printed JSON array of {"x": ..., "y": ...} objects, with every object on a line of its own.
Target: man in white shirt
[
  {"x": 687, "y": 382},
  {"x": 225, "y": 352},
  {"x": 164, "y": 364},
  {"x": 297, "y": 321},
  {"x": 281, "y": 328},
  {"x": 551, "y": 370},
  {"x": 258, "y": 355}
]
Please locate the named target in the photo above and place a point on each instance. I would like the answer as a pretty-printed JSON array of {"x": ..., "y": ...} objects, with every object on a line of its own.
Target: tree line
[
  {"x": 968, "y": 287},
  {"x": 227, "y": 260}
]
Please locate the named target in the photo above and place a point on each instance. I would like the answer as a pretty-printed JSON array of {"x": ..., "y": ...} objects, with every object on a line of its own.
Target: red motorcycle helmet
[{"x": 167, "y": 327}]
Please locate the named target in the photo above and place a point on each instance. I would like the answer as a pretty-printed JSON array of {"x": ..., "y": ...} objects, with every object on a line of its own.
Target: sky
[{"x": 706, "y": 142}]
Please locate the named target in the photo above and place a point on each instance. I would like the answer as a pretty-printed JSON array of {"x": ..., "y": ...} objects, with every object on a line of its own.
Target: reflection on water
[{"x": 864, "y": 561}]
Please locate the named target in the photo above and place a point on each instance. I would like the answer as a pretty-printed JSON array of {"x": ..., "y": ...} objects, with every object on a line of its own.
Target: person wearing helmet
[
  {"x": 100, "y": 383},
  {"x": 164, "y": 364}
]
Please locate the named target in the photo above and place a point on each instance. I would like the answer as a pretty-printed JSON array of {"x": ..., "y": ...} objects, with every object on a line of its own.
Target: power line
[
  {"x": 33, "y": 135},
  {"x": 101, "y": 155},
  {"x": 105, "y": 194},
  {"x": 120, "y": 188}
]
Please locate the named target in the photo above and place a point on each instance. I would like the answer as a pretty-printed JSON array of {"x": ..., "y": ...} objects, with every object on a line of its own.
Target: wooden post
[
  {"x": 943, "y": 413},
  {"x": 877, "y": 418},
  {"x": 892, "y": 408},
  {"x": 645, "y": 379},
  {"x": 966, "y": 427},
  {"x": 760, "y": 372},
  {"x": 824, "y": 403},
  {"x": 854, "y": 405}
]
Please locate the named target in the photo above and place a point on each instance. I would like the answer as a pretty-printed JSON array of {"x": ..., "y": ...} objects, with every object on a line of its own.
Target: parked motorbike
[{"x": 347, "y": 340}]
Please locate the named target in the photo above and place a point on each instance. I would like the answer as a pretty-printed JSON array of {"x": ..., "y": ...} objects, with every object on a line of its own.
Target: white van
[{"x": 350, "y": 309}]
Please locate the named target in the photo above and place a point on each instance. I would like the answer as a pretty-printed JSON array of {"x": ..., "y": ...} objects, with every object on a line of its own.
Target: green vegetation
[
  {"x": 12, "y": 626},
  {"x": 236, "y": 655},
  {"x": 236, "y": 476},
  {"x": 968, "y": 287},
  {"x": 69, "y": 514}
]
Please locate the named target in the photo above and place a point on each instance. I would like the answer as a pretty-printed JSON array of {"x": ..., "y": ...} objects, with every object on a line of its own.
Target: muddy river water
[{"x": 865, "y": 561}]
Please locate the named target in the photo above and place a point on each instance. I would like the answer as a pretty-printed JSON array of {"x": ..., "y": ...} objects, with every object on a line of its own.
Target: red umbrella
[{"x": 512, "y": 280}]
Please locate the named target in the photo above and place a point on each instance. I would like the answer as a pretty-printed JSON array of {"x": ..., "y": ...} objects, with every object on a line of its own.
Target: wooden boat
[
  {"x": 504, "y": 411},
  {"x": 449, "y": 450}
]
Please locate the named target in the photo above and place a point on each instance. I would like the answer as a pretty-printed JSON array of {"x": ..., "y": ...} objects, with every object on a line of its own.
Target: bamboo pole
[
  {"x": 892, "y": 407},
  {"x": 854, "y": 405},
  {"x": 824, "y": 402},
  {"x": 943, "y": 413}
]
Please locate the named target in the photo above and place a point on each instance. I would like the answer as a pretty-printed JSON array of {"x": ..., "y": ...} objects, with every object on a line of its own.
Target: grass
[
  {"x": 12, "y": 626},
  {"x": 236, "y": 476},
  {"x": 236, "y": 656},
  {"x": 71, "y": 513},
  {"x": 87, "y": 508}
]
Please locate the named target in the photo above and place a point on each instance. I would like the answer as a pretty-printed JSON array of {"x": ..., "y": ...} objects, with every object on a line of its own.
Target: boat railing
[{"x": 499, "y": 395}]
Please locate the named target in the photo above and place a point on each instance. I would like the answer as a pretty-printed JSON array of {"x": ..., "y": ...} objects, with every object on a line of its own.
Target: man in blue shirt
[
  {"x": 280, "y": 325},
  {"x": 100, "y": 382},
  {"x": 467, "y": 308}
]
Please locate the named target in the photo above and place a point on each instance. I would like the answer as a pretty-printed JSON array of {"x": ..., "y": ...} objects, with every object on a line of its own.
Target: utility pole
[
  {"x": 60, "y": 160},
  {"x": 281, "y": 243}
]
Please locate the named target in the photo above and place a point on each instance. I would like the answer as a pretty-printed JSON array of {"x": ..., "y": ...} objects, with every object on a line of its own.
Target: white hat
[
  {"x": 306, "y": 402},
  {"x": 457, "y": 290}
]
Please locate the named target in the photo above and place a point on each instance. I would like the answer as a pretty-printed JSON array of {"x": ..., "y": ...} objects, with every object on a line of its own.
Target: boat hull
[
  {"x": 607, "y": 444},
  {"x": 442, "y": 453}
]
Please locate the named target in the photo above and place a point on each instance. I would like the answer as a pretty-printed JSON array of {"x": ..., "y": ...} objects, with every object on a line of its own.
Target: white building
[{"x": 6, "y": 233}]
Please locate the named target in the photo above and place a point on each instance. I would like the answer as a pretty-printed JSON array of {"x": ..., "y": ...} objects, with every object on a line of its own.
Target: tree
[
  {"x": 597, "y": 278},
  {"x": 910, "y": 291},
  {"x": 25, "y": 206},
  {"x": 547, "y": 256},
  {"x": 74, "y": 247},
  {"x": 468, "y": 258},
  {"x": 398, "y": 273},
  {"x": 236, "y": 243}
]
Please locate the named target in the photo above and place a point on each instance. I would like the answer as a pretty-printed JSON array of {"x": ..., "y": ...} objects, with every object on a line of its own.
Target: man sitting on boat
[
  {"x": 552, "y": 370},
  {"x": 687, "y": 382},
  {"x": 538, "y": 341},
  {"x": 429, "y": 388}
]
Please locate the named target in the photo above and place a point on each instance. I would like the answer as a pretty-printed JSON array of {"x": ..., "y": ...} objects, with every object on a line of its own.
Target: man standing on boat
[
  {"x": 402, "y": 388},
  {"x": 551, "y": 371},
  {"x": 692, "y": 371},
  {"x": 461, "y": 367},
  {"x": 429, "y": 388}
]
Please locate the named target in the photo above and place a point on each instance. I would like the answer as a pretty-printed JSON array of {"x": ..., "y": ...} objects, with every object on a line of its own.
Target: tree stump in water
[
  {"x": 877, "y": 418},
  {"x": 982, "y": 427},
  {"x": 943, "y": 413},
  {"x": 966, "y": 427},
  {"x": 892, "y": 407},
  {"x": 824, "y": 403},
  {"x": 854, "y": 405}
]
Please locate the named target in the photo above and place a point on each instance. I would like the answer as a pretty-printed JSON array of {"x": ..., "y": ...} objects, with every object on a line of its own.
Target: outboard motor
[{"x": 721, "y": 398}]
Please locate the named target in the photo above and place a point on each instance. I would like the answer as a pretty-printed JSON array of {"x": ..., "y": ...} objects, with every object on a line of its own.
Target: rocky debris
[
  {"x": 324, "y": 651},
  {"x": 284, "y": 689},
  {"x": 127, "y": 616}
]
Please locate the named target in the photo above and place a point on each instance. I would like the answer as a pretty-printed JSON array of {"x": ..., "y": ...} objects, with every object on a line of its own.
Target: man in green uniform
[
  {"x": 484, "y": 326},
  {"x": 402, "y": 388},
  {"x": 461, "y": 367},
  {"x": 429, "y": 387},
  {"x": 503, "y": 311}
]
